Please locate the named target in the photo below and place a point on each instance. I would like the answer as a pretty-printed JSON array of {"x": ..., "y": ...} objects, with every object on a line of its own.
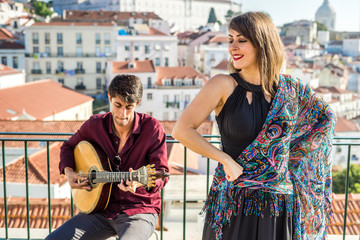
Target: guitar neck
[{"x": 105, "y": 177}]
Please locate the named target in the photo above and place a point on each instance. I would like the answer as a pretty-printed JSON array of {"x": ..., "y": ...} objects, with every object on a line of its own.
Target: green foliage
[
  {"x": 321, "y": 27},
  {"x": 339, "y": 177},
  {"x": 212, "y": 16},
  {"x": 41, "y": 9}
]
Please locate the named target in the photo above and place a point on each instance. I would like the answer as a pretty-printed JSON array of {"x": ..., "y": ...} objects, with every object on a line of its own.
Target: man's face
[{"x": 123, "y": 113}]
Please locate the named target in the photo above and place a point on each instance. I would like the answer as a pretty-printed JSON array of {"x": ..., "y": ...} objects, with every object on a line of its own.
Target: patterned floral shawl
[{"x": 288, "y": 166}]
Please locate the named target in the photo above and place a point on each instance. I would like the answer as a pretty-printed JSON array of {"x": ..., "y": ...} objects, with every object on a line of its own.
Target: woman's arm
[{"x": 211, "y": 97}]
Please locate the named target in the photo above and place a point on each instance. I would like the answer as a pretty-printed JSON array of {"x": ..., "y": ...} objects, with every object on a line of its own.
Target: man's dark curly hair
[{"x": 127, "y": 87}]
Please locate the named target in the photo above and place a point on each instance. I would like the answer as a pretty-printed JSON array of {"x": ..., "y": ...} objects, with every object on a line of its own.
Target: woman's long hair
[{"x": 259, "y": 29}]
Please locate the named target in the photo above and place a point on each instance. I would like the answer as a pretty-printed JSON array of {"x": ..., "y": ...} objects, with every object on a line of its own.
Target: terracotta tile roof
[
  {"x": 344, "y": 125},
  {"x": 176, "y": 72},
  {"x": 6, "y": 35},
  {"x": 60, "y": 212},
  {"x": 37, "y": 167},
  {"x": 338, "y": 90},
  {"x": 39, "y": 99},
  {"x": 219, "y": 39},
  {"x": 5, "y": 70},
  {"x": 75, "y": 15},
  {"x": 77, "y": 24},
  {"x": 25, "y": 126},
  {"x": 154, "y": 31},
  {"x": 223, "y": 65},
  {"x": 353, "y": 214},
  {"x": 138, "y": 67},
  {"x": 11, "y": 45}
]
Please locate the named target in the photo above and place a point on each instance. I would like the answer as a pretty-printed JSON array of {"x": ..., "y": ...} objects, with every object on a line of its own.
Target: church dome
[{"x": 325, "y": 10}]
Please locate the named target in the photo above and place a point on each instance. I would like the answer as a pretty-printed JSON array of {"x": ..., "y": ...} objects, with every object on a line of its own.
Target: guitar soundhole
[{"x": 92, "y": 177}]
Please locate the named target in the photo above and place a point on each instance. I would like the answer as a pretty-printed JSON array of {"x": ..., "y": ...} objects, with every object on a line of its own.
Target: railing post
[
  {"x": 347, "y": 180},
  {"x": 27, "y": 190},
  {"x": 5, "y": 194},
  {"x": 49, "y": 189},
  {"x": 184, "y": 205}
]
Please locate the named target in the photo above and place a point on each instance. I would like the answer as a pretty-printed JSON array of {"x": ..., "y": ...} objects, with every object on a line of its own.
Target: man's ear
[{"x": 109, "y": 97}]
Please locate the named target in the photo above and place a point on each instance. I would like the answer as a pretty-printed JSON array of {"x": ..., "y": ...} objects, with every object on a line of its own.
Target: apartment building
[
  {"x": 167, "y": 90},
  {"x": 142, "y": 42},
  {"x": 71, "y": 53},
  {"x": 182, "y": 15}
]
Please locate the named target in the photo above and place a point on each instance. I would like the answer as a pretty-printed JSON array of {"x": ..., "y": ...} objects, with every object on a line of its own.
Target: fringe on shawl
[{"x": 225, "y": 202}]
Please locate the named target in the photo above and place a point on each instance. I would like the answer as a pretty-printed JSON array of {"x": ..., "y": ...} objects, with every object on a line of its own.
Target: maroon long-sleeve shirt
[{"x": 146, "y": 145}]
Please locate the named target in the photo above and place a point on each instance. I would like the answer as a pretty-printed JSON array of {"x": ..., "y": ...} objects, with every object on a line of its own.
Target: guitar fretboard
[{"x": 104, "y": 177}]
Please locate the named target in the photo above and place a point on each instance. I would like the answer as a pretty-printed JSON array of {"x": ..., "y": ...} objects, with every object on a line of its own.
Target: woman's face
[{"x": 242, "y": 52}]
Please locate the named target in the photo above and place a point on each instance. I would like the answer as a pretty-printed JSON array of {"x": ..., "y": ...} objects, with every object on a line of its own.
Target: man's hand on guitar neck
[
  {"x": 129, "y": 186},
  {"x": 75, "y": 180}
]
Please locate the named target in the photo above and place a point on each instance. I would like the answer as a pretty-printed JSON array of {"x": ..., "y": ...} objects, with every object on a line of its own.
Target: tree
[
  {"x": 212, "y": 16},
  {"x": 339, "y": 177},
  {"x": 41, "y": 9},
  {"x": 321, "y": 27}
]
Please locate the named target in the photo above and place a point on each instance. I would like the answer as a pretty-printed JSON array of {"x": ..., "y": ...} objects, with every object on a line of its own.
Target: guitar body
[{"x": 89, "y": 159}]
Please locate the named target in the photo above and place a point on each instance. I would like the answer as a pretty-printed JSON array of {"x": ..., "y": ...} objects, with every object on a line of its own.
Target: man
[{"x": 130, "y": 140}]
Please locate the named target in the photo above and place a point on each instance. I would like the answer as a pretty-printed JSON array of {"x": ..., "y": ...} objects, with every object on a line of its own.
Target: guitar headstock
[
  {"x": 153, "y": 174},
  {"x": 148, "y": 174}
]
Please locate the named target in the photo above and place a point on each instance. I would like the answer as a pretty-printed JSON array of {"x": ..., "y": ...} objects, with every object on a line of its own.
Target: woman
[{"x": 273, "y": 180}]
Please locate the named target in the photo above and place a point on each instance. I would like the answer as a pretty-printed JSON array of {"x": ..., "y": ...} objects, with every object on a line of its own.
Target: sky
[{"x": 285, "y": 11}]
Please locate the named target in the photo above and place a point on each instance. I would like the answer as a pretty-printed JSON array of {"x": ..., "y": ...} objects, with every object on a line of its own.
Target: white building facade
[
  {"x": 74, "y": 54},
  {"x": 182, "y": 14}
]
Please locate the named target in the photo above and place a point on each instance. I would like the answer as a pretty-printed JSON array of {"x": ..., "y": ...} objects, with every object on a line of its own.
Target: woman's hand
[
  {"x": 75, "y": 180},
  {"x": 232, "y": 170}
]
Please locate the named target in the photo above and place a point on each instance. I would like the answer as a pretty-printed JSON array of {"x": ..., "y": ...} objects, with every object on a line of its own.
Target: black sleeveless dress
[{"x": 239, "y": 124}]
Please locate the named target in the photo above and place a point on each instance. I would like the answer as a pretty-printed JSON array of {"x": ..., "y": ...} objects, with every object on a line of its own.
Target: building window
[
  {"x": 107, "y": 51},
  {"x": 35, "y": 37},
  {"x": 78, "y": 38},
  {"x": 79, "y": 65},
  {"x": 166, "y": 62},
  {"x": 79, "y": 51},
  {"x": 98, "y": 83},
  {"x": 47, "y": 51},
  {"x": 147, "y": 48},
  {"x": 127, "y": 47},
  {"x": 107, "y": 38},
  {"x": 97, "y": 38},
  {"x": 15, "y": 62},
  {"x": 157, "y": 61},
  {"x": 60, "y": 52},
  {"x": 61, "y": 80},
  {"x": 167, "y": 82},
  {"x": 97, "y": 51},
  {"x": 149, "y": 96},
  {"x": 36, "y": 65},
  {"x": 4, "y": 60},
  {"x": 36, "y": 50},
  {"x": 136, "y": 47},
  {"x": 149, "y": 82},
  {"x": 198, "y": 82},
  {"x": 61, "y": 66},
  {"x": 165, "y": 98},
  {"x": 178, "y": 82},
  {"x": 48, "y": 67},
  {"x": 59, "y": 38},
  {"x": 98, "y": 67},
  {"x": 47, "y": 38}
]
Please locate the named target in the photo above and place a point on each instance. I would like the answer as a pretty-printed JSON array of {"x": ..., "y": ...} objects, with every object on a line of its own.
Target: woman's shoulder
[{"x": 221, "y": 80}]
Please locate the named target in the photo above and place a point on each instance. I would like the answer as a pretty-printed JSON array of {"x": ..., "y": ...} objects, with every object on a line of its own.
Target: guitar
[{"x": 92, "y": 163}]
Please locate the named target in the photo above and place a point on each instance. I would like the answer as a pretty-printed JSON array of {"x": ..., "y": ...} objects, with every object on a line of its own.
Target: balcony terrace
[{"x": 36, "y": 214}]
